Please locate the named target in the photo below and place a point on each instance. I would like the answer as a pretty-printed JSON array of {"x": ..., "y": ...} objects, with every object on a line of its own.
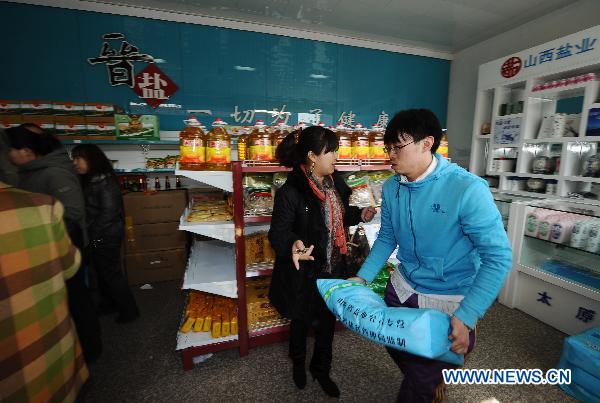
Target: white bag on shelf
[
  {"x": 552, "y": 126},
  {"x": 572, "y": 125}
]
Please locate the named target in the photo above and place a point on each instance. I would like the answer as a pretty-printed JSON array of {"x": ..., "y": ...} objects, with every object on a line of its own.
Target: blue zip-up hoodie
[{"x": 450, "y": 238}]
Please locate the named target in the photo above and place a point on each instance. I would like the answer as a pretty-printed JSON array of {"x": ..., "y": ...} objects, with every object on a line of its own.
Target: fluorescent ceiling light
[
  {"x": 318, "y": 76},
  {"x": 244, "y": 68}
]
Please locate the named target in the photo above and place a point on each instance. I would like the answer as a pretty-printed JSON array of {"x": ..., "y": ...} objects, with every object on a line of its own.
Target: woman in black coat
[
  {"x": 105, "y": 224},
  {"x": 308, "y": 233}
]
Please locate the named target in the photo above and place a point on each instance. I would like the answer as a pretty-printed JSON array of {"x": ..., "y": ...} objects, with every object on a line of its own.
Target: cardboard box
[
  {"x": 593, "y": 123},
  {"x": 70, "y": 126},
  {"x": 46, "y": 122},
  {"x": 100, "y": 126},
  {"x": 157, "y": 207},
  {"x": 68, "y": 108},
  {"x": 36, "y": 107},
  {"x": 154, "y": 237},
  {"x": 136, "y": 127},
  {"x": 7, "y": 121},
  {"x": 10, "y": 107},
  {"x": 99, "y": 109},
  {"x": 150, "y": 267}
]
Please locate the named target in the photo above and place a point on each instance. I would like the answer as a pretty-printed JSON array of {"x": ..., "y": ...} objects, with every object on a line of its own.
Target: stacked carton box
[{"x": 155, "y": 249}]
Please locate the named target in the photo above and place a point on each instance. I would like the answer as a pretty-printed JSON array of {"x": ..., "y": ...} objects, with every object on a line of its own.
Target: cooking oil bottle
[
  {"x": 376, "y": 144},
  {"x": 360, "y": 143},
  {"x": 344, "y": 141},
  {"x": 218, "y": 147},
  {"x": 242, "y": 144},
  {"x": 192, "y": 145},
  {"x": 261, "y": 147},
  {"x": 280, "y": 132},
  {"x": 443, "y": 148}
]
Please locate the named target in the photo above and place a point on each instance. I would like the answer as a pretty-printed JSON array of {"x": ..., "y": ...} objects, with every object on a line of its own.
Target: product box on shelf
[
  {"x": 36, "y": 107},
  {"x": 10, "y": 107},
  {"x": 70, "y": 126},
  {"x": 152, "y": 266},
  {"x": 68, "y": 108},
  {"x": 157, "y": 207},
  {"x": 101, "y": 127},
  {"x": 593, "y": 123},
  {"x": 46, "y": 122},
  {"x": 507, "y": 130},
  {"x": 136, "y": 127},
  {"x": 145, "y": 237},
  {"x": 7, "y": 121},
  {"x": 99, "y": 109}
]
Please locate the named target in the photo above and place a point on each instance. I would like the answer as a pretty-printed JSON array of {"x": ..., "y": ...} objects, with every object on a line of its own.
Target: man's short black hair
[{"x": 414, "y": 124}]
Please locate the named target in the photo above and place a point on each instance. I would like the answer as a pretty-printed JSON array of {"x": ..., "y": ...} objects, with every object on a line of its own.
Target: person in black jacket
[
  {"x": 105, "y": 226},
  {"x": 308, "y": 233}
]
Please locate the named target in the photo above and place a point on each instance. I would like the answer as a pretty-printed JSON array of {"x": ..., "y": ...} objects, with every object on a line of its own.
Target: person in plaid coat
[{"x": 40, "y": 355}]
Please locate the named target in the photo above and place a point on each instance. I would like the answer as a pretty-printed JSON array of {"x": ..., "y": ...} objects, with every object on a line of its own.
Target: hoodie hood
[
  {"x": 56, "y": 159},
  {"x": 443, "y": 168}
]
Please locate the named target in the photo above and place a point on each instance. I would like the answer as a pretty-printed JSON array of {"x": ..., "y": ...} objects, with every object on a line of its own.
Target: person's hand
[
  {"x": 367, "y": 214},
  {"x": 459, "y": 336},
  {"x": 357, "y": 279},
  {"x": 300, "y": 252}
]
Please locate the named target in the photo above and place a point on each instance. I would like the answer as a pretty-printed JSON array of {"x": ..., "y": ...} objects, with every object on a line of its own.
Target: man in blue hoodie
[{"x": 453, "y": 251}]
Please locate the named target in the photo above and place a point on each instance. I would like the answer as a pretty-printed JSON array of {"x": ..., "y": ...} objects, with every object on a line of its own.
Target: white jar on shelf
[
  {"x": 551, "y": 187},
  {"x": 504, "y": 164},
  {"x": 593, "y": 240}
]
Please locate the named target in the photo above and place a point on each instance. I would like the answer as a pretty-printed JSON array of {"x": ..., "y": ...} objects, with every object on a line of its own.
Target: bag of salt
[{"x": 423, "y": 332}]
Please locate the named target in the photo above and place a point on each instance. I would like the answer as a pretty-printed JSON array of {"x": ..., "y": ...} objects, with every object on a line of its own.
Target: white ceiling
[{"x": 439, "y": 25}]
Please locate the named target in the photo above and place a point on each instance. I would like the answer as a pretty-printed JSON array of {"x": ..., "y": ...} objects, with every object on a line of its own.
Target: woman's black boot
[
  {"x": 328, "y": 386},
  {"x": 299, "y": 375}
]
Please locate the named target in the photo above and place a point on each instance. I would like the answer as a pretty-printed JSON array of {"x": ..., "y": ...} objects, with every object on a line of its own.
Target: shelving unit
[
  {"x": 123, "y": 142},
  {"x": 541, "y": 88},
  {"x": 219, "y": 266},
  {"x": 518, "y": 140}
]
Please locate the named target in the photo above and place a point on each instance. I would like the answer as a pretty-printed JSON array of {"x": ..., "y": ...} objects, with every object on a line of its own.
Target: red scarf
[{"x": 336, "y": 221}]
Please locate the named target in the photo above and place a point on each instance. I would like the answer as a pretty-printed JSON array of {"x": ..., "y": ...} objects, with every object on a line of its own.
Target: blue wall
[{"x": 49, "y": 61}]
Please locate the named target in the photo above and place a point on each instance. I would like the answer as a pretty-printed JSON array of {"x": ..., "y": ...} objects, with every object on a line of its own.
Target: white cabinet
[{"x": 556, "y": 269}]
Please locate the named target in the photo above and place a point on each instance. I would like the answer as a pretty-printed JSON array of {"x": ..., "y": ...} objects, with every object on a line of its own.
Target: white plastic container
[
  {"x": 546, "y": 225},
  {"x": 579, "y": 232},
  {"x": 593, "y": 241},
  {"x": 532, "y": 220}
]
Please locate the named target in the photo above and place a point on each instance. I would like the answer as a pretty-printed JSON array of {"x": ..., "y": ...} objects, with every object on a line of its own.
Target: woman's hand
[
  {"x": 300, "y": 252},
  {"x": 367, "y": 214}
]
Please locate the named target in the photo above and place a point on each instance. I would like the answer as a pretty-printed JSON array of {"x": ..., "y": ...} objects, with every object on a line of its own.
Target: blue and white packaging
[
  {"x": 422, "y": 332},
  {"x": 581, "y": 354}
]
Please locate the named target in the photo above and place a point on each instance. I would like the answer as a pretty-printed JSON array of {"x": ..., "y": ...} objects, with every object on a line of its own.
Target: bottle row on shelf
[
  {"x": 142, "y": 183},
  {"x": 201, "y": 150}
]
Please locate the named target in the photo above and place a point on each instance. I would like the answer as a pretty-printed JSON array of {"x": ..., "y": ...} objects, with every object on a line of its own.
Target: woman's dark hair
[
  {"x": 97, "y": 162},
  {"x": 414, "y": 124},
  {"x": 294, "y": 148},
  {"x": 29, "y": 135}
]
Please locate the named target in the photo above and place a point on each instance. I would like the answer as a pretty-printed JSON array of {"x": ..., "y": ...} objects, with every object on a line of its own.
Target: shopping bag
[{"x": 422, "y": 332}]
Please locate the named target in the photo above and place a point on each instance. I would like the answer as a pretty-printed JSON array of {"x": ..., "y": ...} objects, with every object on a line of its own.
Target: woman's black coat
[
  {"x": 297, "y": 215},
  {"x": 104, "y": 209}
]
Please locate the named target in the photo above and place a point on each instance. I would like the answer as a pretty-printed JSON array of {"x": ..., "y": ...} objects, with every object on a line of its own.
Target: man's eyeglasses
[{"x": 396, "y": 149}]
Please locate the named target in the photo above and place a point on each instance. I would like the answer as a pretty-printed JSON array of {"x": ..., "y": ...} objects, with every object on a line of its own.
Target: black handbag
[{"x": 357, "y": 251}]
